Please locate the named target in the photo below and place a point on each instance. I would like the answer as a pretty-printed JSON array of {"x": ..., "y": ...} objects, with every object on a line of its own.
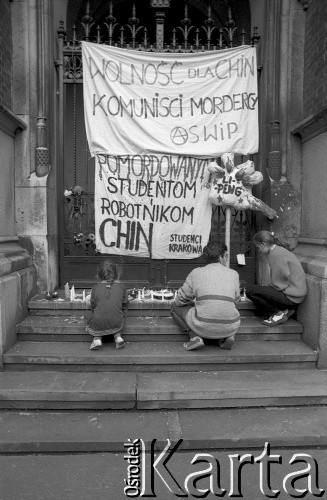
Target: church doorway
[{"x": 156, "y": 25}]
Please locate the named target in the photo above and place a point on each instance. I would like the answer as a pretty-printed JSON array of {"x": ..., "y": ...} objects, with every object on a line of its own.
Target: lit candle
[
  {"x": 84, "y": 295},
  {"x": 143, "y": 293},
  {"x": 139, "y": 295}
]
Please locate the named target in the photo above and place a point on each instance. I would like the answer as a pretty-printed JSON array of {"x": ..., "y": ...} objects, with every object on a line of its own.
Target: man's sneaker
[
  {"x": 96, "y": 344},
  {"x": 120, "y": 342},
  {"x": 227, "y": 343},
  {"x": 193, "y": 343},
  {"x": 290, "y": 312},
  {"x": 277, "y": 318}
]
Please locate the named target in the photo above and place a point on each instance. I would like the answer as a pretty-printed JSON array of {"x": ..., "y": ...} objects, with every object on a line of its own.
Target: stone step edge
[
  {"x": 142, "y": 386},
  {"x": 55, "y": 432},
  {"x": 156, "y": 337},
  {"x": 158, "y": 353},
  {"x": 248, "y": 324}
]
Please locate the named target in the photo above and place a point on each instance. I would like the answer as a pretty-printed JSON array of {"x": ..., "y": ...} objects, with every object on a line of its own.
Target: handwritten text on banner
[
  {"x": 152, "y": 206},
  {"x": 196, "y": 104}
]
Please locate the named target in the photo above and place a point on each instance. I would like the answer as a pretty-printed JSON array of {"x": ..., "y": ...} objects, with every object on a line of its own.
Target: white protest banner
[
  {"x": 196, "y": 104},
  {"x": 152, "y": 206}
]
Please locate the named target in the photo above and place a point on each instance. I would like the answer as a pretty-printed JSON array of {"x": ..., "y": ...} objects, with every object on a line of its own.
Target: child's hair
[
  {"x": 213, "y": 251},
  {"x": 107, "y": 271},
  {"x": 270, "y": 238}
]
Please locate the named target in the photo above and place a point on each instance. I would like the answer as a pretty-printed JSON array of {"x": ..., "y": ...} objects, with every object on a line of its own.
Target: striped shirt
[{"x": 214, "y": 290}]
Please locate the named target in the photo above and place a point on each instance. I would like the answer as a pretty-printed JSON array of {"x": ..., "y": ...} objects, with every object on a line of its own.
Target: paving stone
[
  {"x": 79, "y": 431},
  {"x": 252, "y": 427}
]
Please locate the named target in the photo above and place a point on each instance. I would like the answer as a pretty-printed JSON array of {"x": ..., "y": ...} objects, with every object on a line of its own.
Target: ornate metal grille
[{"x": 186, "y": 37}]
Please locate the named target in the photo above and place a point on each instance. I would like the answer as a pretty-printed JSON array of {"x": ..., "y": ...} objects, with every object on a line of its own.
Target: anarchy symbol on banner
[{"x": 179, "y": 136}]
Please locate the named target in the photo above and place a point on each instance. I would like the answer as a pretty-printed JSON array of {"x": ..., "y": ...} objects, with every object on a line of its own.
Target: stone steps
[
  {"x": 157, "y": 357},
  {"x": 51, "y": 367},
  {"x": 48, "y": 390},
  {"x": 143, "y": 329}
]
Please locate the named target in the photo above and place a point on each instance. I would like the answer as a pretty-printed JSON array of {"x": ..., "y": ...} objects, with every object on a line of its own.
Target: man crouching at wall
[{"x": 204, "y": 306}]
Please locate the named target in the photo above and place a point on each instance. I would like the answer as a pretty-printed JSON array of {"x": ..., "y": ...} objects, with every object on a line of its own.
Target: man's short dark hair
[{"x": 213, "y": 251}]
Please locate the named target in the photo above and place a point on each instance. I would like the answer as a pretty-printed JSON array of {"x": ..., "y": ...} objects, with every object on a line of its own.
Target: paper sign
[{"x": 240, "y": 259}]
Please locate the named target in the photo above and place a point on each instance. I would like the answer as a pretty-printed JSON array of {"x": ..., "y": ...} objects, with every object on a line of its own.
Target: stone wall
[
  {"x": 17, "y": 272},
  {"x": 5, "y": 54},
  {"x": 7, "y": 185},
  {"x": 315, "y": 52},
  {"x": 312, "y": 133},
  {"x": 314, "y": 191},
  {"x": 17, "y": 287},
  {"x": 312, "y": 249}
]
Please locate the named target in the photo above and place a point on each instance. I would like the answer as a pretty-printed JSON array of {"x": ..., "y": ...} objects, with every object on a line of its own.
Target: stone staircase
[{"x": 51, "y": 367}]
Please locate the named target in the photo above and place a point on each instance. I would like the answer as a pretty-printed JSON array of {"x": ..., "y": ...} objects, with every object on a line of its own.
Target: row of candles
[
  {"x": 141, "y": 294},
  {"x": 71, "y": 294}
]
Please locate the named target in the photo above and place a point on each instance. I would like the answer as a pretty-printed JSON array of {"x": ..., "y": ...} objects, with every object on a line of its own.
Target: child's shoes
[
  {"x": 96, "y": 344},
  {"x": 120, "y": 342}
]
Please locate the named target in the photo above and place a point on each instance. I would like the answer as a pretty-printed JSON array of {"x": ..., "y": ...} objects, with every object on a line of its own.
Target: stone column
[
  {"x": 282, "y": 102},
  {"x": 280, "y": 107},
  {"x": 33, "y": 93},
  {"x": 42, "y": 159},
  {"x": 273, "y": 46}
]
